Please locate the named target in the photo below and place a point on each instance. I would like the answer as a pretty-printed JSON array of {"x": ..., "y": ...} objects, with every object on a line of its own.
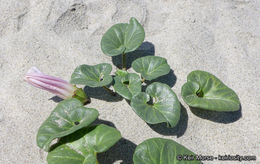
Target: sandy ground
[{"x": 218, "y": 36}]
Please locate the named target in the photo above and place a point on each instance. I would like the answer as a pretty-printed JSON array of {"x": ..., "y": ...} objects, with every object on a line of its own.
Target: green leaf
[
  {"x": 204, "y": 90},
  {"x": 83, "y": 150},
  {"x": 161, "y": 151},
  {"x": 151, "y": 67},
  {"x": 92, "y": 76},
  {"x": 122, "y": 38},
  {"x": 68, "y": 117},
  {"x": 165, "y": 107},
  {"x": 127, "y": 84}
]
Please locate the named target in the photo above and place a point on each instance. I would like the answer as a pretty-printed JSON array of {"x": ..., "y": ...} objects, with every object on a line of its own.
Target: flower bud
[{"x": 57, "y": 86}]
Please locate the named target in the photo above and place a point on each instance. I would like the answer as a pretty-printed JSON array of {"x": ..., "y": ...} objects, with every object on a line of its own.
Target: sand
[{"x": 218, "y": 36}]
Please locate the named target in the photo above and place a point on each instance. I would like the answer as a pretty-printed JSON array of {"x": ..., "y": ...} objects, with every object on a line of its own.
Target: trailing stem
[
  {"x": 109, "y": 90},
  {"x": 124, "y": 61}
]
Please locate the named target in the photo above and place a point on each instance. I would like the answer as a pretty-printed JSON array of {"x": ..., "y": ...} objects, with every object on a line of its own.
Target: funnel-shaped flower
[{"x": 57, "y": 86}]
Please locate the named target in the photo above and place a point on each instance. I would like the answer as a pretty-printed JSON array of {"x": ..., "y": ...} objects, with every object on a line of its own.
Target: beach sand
[{"x": 221, "y": 37}]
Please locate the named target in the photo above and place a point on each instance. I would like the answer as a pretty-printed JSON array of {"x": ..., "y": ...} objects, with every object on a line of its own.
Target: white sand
[{"x": 218, "y": 36}]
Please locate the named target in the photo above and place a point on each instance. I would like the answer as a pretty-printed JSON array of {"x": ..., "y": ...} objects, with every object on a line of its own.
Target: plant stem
[
  {"x": 96, "y": 158},
  {"x": 124, "y": 61},
  {"x": 81, "y": 95},
  {"x": 109, "y": 90}
]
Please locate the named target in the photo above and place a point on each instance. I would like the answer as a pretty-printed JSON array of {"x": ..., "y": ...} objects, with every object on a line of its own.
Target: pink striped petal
[
  {"x": 34, "y": 70},
  {"x": 57, "y": 86},
  {"x": 46, "y": 77},
  {"x": 67, "y": 86},
  {"x": 57, "y": 91}
]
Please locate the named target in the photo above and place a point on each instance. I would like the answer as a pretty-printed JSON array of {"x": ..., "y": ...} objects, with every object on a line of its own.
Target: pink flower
[{"x": 59, "y": 87}]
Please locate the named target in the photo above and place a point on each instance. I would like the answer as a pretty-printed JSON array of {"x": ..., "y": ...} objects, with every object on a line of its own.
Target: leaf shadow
[
  {"x": 101, "y": 94},
  {"x": 169, "y": 79},
  {"x": 100, "y": 121},
  {"x": 80, "y": 133},
  {"x": 71, "y": 137},
  {"x": 178, "y": 130},
  {"x": 56, "y": 99},
  {"x": 146, "y": 49},
  {"x": 219, "y": 117},
  {"x": 122, "y": 151}
]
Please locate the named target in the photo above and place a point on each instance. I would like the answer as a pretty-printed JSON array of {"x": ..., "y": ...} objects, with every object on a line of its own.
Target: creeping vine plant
[{"x": 80, "y": 141}]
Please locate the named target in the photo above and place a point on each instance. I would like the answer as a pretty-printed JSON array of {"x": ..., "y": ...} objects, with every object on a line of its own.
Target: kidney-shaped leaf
[
  {"x": 127, "y": 84},
  {"x": 164, "y": 151},
  {"x": 151, "y": 67},
  {"x": 204, "y": 90},
  {"x": 83, "y": 150},
  {"x": 164, "y": 108},
  {"x": 92, "y": 76},
  {"x": 122, "y": 38},
  {"x": 66, "y": 118}
]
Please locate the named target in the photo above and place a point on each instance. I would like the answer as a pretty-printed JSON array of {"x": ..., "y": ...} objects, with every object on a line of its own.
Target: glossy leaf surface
[
  {"x": 204, "y": 90},
  {"x": 82, "y": 146},
  {"x": 164, "y": 108},
  {"x": 161, "y": 151},
  {"x": 92, "y": 76},
  {"x": 122, "y": 38},
  {"x": 151, "y": 67},
  {"x": 68, "y": 117},
  {"x": 127, "y": 84}
]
